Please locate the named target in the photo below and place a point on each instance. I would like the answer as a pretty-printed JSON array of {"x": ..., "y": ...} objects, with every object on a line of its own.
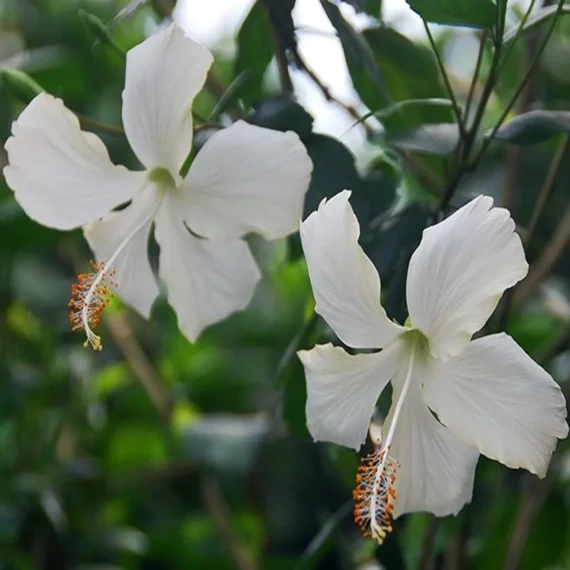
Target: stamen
[
  {"x": 375, "y": 495},
  {"x": 89, "y": 297}
]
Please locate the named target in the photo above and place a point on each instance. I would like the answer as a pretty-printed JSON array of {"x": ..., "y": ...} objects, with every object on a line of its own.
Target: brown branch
[
  {"x": 547, "y": 260},
  {"x": 220, "y": 512},
  {"x": 532, "y": 501},
  {"x": 329, "y": 96},
  {"x": 140, "y": 365}
]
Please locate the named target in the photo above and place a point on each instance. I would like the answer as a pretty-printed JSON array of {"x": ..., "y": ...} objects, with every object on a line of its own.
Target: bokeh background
[{"x": 157, "y": 454}]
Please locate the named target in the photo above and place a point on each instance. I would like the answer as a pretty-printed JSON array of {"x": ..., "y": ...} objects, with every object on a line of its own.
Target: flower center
[
  {"x": 162, "y": 179},
  {"x": 375, "y": 493}
]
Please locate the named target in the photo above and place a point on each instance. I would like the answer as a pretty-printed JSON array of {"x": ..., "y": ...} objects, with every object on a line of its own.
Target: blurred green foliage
[{"x": 226, "y": 476}]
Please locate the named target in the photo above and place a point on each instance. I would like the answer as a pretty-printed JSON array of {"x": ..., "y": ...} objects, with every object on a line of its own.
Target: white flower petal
[
  {"x": 345, "y": 283},
  {"x": 206, "y": 280},
  {"x": 459, "y": 272},
  {"x": 129, "y": 230},
  {"x": 164, "y": 74},
  {"x": 247, "y": 179},
  {"x": 436, "y": 470},
  {"x": 495, "y": 397},
  {"x": 62, "y": 176},
  {"x": 342, "y": 391}
]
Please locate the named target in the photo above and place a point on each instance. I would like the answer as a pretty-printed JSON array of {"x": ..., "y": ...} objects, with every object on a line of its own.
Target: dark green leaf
[
  {"x": 282, "y": 113},
  {"x": 254, "y": 51},
  {"x": 409, "y": 71},
  {"x": 357, "y": 50},
  {"x": 230, "y": 96},
  {"x": 476, "y": 14},
  {"x": 534, "y": 127},
  {"x": 440, "y": 139}
]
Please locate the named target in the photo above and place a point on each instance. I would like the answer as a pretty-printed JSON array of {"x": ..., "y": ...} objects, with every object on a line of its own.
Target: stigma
[
  {"x": 90, "y": 295},
  {"x": 375, "y": 494}
]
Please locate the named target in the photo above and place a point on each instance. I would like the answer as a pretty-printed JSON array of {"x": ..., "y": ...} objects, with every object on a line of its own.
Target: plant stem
[
  {"x": 463, "y": 160},
  {"x": 521, "y": 86},
  {"x": 475, "y": 75},
  {"x": 518, "y": 33},
  {"x": 448, "y": 87}
]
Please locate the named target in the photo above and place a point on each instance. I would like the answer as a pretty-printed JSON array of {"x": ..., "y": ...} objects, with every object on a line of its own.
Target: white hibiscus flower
[
  {"x": 244, "y": 179},
  {"x": 488, "y": 395}
]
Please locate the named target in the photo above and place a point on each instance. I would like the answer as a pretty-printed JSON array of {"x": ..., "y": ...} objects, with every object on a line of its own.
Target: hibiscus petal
[
  {"x": 342, "y": 391},
  {"x": 164, "y": 74},
  {"x": 345, "y": 283},
  {"x": 459, "y": 272},
  {"x": 206, "y": 280},
  {"x": 62, "y": 176},
  {"x": 129, "y": 230},
  {"x": 495, "y": 397},
  {"x": 436, "y": 470},
  {"x": 247, "y": 179}
]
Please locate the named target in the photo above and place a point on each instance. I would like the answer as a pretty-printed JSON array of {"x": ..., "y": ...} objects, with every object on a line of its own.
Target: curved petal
[
  {"x": 62, "y": 176},
  {"x": 205, "y": 280},
  {"x": 342, "y": 391},
  {"x": 495, "y": 397},
  {"x": 247, "y": 179},
  {"x": 459, "y": 272},
  {"x": 436, "y": 470},
  {"x": 128, "y": 229},
  {"x": 164, "y": 74},
  {"x": 345, "y": 283}
]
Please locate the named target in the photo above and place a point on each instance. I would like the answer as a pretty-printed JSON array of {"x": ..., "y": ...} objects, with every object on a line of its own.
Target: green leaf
[
  {"x": 471, "y": 13},
  {"x": 534, "y": 127},
  {"x": 539, "y": 17},
  {"x": 439, "y": 139},
  {"x": 409, "y": 71},
  {"x": 254, "y": 51},
  {"x": 357, "y": 50},
  {"x": 282, "y": 113}
]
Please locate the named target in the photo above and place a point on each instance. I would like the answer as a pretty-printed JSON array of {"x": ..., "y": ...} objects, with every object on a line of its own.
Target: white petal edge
[
  {"x": 436, "y": 471},
  {"x": 164, "y": 74},
  {"x": 345, "y": 283},
  {"x": 129, "y": 229},
  {"x": 495, "y": 397},
  {"x": 247, "y": 179},
  {"x": 62, "y": 176},
  {"x": 206, "y": 280},
  {"x": 342, "y": 390},
  {"x": 459, "y": 272}
]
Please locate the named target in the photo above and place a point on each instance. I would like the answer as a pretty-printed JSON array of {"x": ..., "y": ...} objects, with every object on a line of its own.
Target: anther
[
  {"x": 375, "y": 495},
  {"x": 90, "y": 295}
]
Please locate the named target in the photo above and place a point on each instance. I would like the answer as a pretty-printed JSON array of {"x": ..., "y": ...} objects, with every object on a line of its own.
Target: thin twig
[
  {"x": 428, "y": 543},
  {"x": 448, "y": 87},
  {"x": 282, "y": 60},
  {"x": 218, "y": 509},
  {"x": 532, "y": 501},
  {"x": 547, "y": 187},
  {"x": 329, "y": 96},
  {"x": 93, "y": 124},
  {"x": 547, "y": 261},
  {"x": 140, "y": 365},
  {"x": 517, "y": 34},
  {"x": 476, "y": 72}
]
